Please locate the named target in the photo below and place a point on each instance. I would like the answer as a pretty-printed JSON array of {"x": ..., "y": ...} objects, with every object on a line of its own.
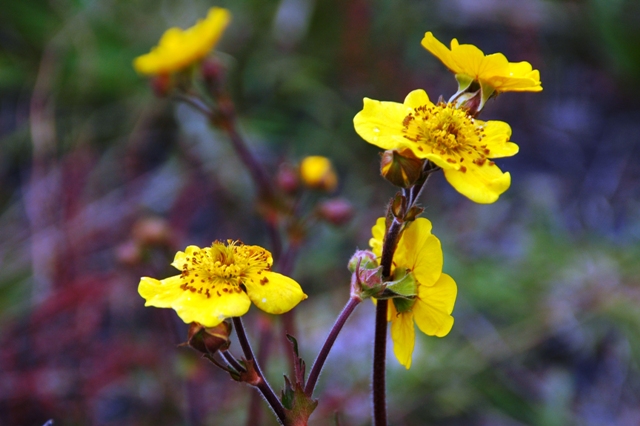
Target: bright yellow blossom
[
  {"x": 418, "y": 252},
  {"x": 445, "y": 135},
  {"x": 317, "y": 172},
  {"x": 221, "y": 281},
  {"x": 177, "y": 48},
  {"x": 493, "y": 72}
]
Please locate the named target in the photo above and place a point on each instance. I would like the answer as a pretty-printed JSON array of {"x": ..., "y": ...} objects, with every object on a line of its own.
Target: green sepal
[
  {"x": 298, "y": 406},
  {"x": 464, "y": 81},
  {"x": 487, "y": 92},
  {"x": 403, "y": 305},
  {"x": 406, "y": 285}
]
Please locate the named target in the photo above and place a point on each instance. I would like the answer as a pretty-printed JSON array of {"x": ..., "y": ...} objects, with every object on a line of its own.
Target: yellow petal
[
  {"x": 160, "y": 294},
  {"x": 433, "y": 307},
  {"x": 181, "y": 257},
  {"x": 211, "y": 311},
  {"x": 403, "y": 335},
  {"x": 421, "y": 252},
  {"x": 441, "y": 51},
  {"x": 274, "y": 293},
  {"x": 380, "y": 123},
  {"x": 177, "y": 48},
  {"x": 417, "y": 98},
  {"x": 377, "y": 233},
  {"x": 192, "y": 307},
  {"x": 439, "y": 161},
  {"x": 481, "y": 184},
  {"x": 497, "y": 134}
]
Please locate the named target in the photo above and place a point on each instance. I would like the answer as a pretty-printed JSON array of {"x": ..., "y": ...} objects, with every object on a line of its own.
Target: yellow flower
[
  {"x": 420, "y": 253},
  {"x": 221, "y": 281},
  {"x": 317, "y": 172},
  {"x": 177, "y": 48},
  {"x": 447, "y": 136},
  {"x": 493, "y": 72}
]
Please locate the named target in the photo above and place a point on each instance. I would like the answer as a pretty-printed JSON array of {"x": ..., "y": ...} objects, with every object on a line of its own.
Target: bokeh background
[{"x": 93, "y": 167}]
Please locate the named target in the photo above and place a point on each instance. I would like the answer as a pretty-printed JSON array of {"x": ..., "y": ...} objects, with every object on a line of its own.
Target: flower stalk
[
  {"x": 316, "y": 369},
  {"x": 252, "y": 364}
]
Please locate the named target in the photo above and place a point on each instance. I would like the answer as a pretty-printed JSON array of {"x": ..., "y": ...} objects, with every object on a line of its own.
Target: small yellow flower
[
  {"x": 420, "y": 253},
  {"x": 445, "y": 135},
  {"x": 221, "y": 281},
  {"x": 317, "y": 172},
  {"x": 177, "y": 48},
  {"x": 493, "y": 72}
]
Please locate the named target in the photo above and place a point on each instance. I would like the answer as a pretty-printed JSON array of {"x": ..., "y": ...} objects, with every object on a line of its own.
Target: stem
[
  {"x": 380, "y": 339},
  {"x": 233, "y": 362},
  {"x": 379, "y": 364},
  {"x": 196, "y": 103},
  {"x": 328, "y": 344},
  {"x": 228, "y": 123},
  {"x": 263, "y": 386},
  {"x": 266, "y": 335},
  {"x": 389, "y": 247}
]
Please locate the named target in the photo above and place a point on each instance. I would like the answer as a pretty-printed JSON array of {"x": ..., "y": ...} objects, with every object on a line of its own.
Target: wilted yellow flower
[
  {"x": 445, "y": 135},
  {"x": 317, "y": 172},
  {"x": 420, "y": 254},
  {"x": 221, "y": 281},
  {"x": 177, "y": 48},
  {"x": 493, "y": 72}
]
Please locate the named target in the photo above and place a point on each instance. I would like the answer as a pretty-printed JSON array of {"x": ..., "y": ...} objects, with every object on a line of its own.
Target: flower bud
[
  {"x": 287, "y": 179},
  {"x": 336, "y": 211},
  {"x": 317, "y": 172},
  {"x": 161, "y": 85},
  {"x": 151, "y": 231},
  {"x": 365, "y": 259},
  {"x": 209, "y": 340},
  {"x": 401, "y": 168},
  {"x": 129, "y": 253}
]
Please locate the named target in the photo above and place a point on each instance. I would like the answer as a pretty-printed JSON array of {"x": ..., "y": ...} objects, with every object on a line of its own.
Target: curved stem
[
  {"x": 328, "y": 344},
  {"x": 233, "y": 362},
  {"x": 263, "y": 386}
]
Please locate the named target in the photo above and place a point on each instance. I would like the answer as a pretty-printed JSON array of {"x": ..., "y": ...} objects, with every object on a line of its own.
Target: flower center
[
  {"x": 223, "y": 268},
  {"x": 447, "y": 131}
]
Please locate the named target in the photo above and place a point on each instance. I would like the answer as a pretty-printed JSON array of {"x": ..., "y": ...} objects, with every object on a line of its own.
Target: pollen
[
  {"x": 446, "y": 130},
  {"x": 223, "y": 268}
]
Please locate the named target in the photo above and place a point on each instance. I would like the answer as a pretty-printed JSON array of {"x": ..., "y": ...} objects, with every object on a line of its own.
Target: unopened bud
[
  {"x": 401, "y": 168},
  {"x": 364, "y": 259},
  {"x": 161, "y": 85},
  {"x": 287, "y": 178},
  {"x": 209, "y": 340},
  {"x": 317, "y": 173},
  {"x": 336, "y": 211},
  {"x": 151, "y": 231},
  {"x": 212, "y": 71},
  {"x": 129, "y": 253}
]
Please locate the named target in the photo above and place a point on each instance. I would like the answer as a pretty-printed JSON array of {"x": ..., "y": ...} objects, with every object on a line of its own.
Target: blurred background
[{"x": 101, "y": 182}]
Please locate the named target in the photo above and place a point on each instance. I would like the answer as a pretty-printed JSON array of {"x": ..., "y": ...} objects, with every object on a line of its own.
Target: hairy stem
[{"x": 328, "y": 344}]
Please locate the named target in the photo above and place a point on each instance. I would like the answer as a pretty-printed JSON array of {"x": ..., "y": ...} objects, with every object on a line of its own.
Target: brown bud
[
  {"x": 161, "y": 85},
  {"x": 336, "y": 211},
  {"x": 209, "y": 340},
  {"x": 401, "y": 168}
]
